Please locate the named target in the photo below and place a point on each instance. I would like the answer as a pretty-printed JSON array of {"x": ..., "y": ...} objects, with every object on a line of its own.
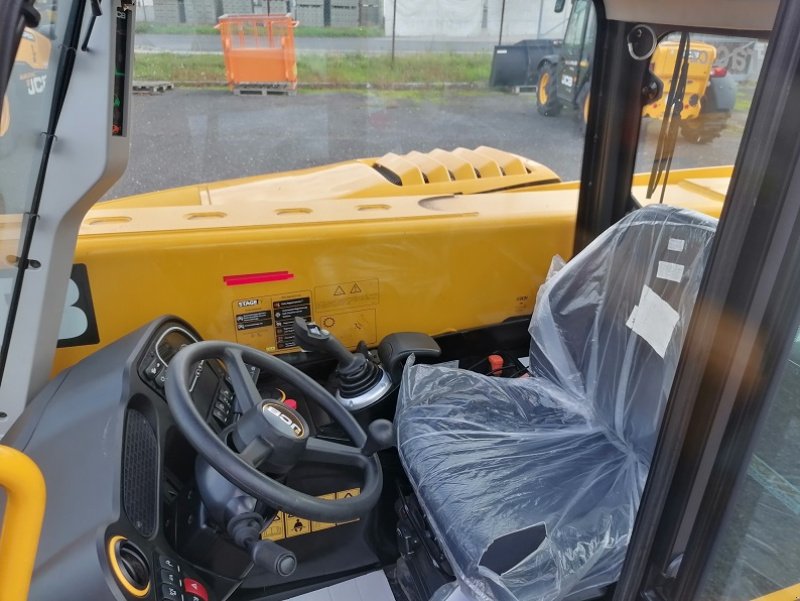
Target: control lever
[
  {"x": 380, "y": 436},
  {"x": 245, "y": 529},
  {"x": 314, "y": 338},
  {"x": 360, "y": 381}
]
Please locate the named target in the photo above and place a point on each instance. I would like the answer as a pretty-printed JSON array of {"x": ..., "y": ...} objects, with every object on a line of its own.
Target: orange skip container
[{"x": 259, "y": 50}]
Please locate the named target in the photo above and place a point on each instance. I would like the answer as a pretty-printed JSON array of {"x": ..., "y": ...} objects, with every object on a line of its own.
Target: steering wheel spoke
[
  {"x": 247, "y": 394},
  {"x": 319, "y": 450},
  {"x": 255, "y": 453}
]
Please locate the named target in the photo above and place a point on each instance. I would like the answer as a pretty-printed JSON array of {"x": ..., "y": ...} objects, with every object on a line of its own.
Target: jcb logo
[
  {"x": 295, "y": 427},
  {"x": 36, "y": 84}
]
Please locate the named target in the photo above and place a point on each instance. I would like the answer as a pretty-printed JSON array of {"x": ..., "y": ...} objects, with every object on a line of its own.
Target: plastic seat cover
[{"x": 568, "y": 449}]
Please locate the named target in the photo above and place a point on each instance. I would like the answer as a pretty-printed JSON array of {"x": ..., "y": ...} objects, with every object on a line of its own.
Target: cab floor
[{"x": 369, "y": 587}]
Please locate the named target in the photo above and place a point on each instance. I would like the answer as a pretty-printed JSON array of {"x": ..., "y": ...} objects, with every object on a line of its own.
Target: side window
[
  {"x": 577, "y": 24},
  {"x": 714, "y": 97},
  {"x": 759, "y": 550}
]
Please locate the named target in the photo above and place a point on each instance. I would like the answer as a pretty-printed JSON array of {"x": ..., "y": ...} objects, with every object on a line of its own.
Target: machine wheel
[
  {"x": 583, "y": 106},
  {"x": 546, "y": 98},
  {"x": 705, "y": 128}
]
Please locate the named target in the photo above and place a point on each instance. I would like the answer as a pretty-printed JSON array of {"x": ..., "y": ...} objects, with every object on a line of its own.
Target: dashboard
[
  {"x": 124, "y": 519},
  {"x": 120, "y": 494}
]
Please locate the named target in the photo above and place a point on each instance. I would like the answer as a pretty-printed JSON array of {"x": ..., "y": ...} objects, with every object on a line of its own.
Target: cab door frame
[
  {"x": 572, "y": 72},
  {"x": 744, "y": 322}
]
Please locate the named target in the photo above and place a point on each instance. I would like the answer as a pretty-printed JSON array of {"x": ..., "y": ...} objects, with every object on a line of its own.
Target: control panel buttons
[
  {"x": 161, "y": 377},
  {"x": 190, "y": 597},
  {"x": 152, "y": 369},
  {"x": 193, "y": 587},
  {"x": 170, "y": 577},
  {"x": 171, "y": 593},
  {"x": 168, "y": 563}
]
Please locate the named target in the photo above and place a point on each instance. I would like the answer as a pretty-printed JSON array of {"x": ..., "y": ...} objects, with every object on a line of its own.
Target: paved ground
[
  {"x": 181, "y": 43},
  {"x": 191, "y": 136}
]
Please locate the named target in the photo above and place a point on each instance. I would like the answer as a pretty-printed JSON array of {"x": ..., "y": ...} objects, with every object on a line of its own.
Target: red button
[
  {"x": 291, "y": 403},
  {"x": 190, "y": 585}
]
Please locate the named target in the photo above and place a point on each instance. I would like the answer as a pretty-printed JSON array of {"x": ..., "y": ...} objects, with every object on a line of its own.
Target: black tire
[
  {"x": 583, "y": 106},
  {"x": 705, "y": 128},
  {"x": 546, "y": 98}
]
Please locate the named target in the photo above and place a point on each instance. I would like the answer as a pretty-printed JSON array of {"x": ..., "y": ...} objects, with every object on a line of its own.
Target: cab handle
[{"x": 22, "y": 522}]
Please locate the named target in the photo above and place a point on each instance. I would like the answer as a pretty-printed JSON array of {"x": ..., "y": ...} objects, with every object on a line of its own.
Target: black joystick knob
[
  {"x": 380, "y": 436},
  {"x": 356, "y": 373},
  {"x": 273, "y": 558},
  {"x": 245, "y": 530}
]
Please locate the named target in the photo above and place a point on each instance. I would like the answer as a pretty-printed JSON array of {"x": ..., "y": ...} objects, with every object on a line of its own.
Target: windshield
[
  {"x": 25, "y": 112},
  {"x": 246, "y": 88}
]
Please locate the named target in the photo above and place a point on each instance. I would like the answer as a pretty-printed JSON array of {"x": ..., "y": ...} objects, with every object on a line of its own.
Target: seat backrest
[{"x": 608, "y": 327}]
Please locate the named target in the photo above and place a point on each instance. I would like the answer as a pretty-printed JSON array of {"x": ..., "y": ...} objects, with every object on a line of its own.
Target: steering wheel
[{"x": 271, "y": 435}]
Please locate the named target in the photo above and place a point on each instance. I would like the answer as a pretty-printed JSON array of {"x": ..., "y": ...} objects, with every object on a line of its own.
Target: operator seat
[{"x": 531, "y": 485}]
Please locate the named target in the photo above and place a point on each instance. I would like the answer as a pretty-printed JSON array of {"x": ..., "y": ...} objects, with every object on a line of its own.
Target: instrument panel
[{"x": 210, "y": 386}]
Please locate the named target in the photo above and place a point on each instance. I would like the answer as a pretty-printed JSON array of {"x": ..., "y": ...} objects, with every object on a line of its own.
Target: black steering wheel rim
[{"x": 242, "y": 474}]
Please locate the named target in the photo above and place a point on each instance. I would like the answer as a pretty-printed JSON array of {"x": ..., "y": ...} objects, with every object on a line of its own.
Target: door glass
[
  {"x": 759, "y": 549},
  {"x": 23, "y": 118},
  {"x": 577, "y": 22},
  {"x": 719, "y": 87}
]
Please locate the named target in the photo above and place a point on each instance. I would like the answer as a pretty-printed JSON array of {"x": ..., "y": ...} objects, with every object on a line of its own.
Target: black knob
[
  {"x": 273, "y": 558},
  {"x": 380, "y": 436}
]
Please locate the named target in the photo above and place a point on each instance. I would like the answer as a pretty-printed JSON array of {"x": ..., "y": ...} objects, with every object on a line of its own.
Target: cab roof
[{"x": 742, "y": 15}]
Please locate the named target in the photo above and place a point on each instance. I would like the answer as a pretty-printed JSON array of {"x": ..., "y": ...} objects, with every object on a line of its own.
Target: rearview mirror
[{"x": 560, "y": 5}]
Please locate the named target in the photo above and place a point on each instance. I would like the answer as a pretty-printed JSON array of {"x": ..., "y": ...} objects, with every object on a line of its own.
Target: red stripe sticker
[{"x": 257, "y": 278}]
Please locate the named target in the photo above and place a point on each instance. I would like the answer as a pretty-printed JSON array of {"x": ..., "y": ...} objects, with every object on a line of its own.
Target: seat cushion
[{"x": 489, "y": 457}]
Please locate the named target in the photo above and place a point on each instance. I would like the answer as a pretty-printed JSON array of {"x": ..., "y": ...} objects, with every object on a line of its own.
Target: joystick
[{"x": 361, "y": 382}]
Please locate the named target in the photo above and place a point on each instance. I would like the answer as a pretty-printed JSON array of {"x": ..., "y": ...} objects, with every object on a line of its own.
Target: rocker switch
[{"x": 193, "y": 587}]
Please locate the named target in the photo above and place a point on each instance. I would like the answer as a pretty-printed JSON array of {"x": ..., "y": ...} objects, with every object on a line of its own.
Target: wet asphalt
[{"x": 191, "y": 136}]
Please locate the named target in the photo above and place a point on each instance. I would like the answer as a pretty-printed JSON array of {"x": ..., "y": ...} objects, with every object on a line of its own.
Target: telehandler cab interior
[{"x": 371, "y": 381}]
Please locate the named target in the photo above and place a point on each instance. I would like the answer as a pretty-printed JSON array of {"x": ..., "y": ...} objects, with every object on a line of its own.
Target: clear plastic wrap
[{"x": 568, "y": 449}]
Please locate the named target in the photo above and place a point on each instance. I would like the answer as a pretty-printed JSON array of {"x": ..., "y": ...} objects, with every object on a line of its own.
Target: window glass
[
  {"x": 720, "y": 83},
  {"x": 759, "y": 550},
  {"x": 358, "y": 95},
  {"x": 577, "y": 24},
  {"x": 23, "y": 118}
]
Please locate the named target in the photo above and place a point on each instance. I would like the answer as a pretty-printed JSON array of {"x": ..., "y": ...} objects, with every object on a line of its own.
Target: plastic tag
[
  {"x": 676, "y": 244},
  {"x": 670, "y": 271},
  {"x": 654, "y": 320}
]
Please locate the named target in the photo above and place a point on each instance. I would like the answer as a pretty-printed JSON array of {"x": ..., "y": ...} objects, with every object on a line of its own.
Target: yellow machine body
[
  {"x": 701, "y": 60},
  {"x": 239, "y": 260}
]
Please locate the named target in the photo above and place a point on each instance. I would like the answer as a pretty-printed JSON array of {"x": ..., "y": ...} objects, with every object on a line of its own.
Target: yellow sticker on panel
[
  {"x": 317, "y": 526},
  {"x": 289, "y": 526},
  {"x": 346, "y": 295},
  {"x": 296, "y": 526},
  {"x": 285, "y": 308},
  {"x": 276, "y": 530},
  {"x": 346, "y": 494},
  {"x": 351, "y": 328},
  {"x": 252, "y": 318}
]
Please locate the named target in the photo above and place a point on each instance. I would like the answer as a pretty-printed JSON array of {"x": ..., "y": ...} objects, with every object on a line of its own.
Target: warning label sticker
[
  {"x": 276, "y": 530},
  {"x": 254, "y": 319},
  {"x": 296, "y": 526},
  {"x": 351, "y": 328},
  {"x": 288, "y": 526},
  {"x": 285, "y": 311},
  {"x": 347, "y": 295}
]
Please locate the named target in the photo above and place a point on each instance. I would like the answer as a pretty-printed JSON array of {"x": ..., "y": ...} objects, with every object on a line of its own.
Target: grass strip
[{"x": 332, "y": 70}]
